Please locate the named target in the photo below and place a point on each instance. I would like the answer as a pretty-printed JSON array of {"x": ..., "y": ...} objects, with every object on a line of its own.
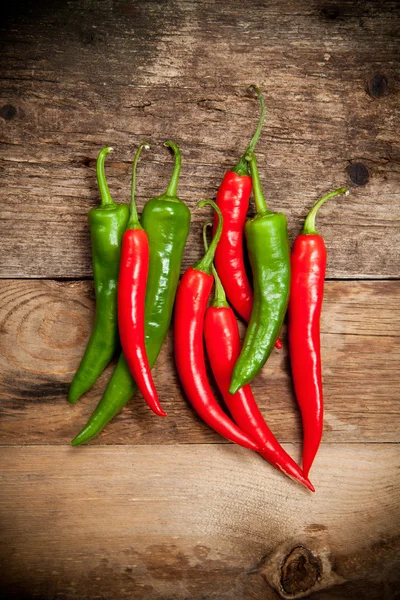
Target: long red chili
[
  {"x": 308, "y": 266},
  {"x": 222, "y": 339},
  {"x": 233, "y": 200},
  {"x": 131, "y": 298},
  {"x": 190, "y": 307}
]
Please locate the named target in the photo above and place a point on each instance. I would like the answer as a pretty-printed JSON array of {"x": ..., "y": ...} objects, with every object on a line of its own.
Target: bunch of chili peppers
[{"x": 136, "y": 265}]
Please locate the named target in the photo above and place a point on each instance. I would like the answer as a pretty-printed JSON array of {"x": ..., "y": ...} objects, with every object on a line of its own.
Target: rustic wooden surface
[
  {"x": 46, "y": 324},
  {"x": 198, "y": 522},
  {"x": 165, "y": 509}
]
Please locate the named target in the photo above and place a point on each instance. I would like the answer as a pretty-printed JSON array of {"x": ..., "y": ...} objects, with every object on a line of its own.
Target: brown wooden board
[
  {"x": 45, "y": 327},
  {"x": 165, "y": 509},
  {"x": 80, "y": 76},
  {"x": 198, "y": 522}
]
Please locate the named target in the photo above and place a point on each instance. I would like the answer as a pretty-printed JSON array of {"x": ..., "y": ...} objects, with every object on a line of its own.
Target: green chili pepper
[
  {"x": 166, "y": 220},
  {"x": 269, "y": 254},
  {"x": 107, "y": 225}
]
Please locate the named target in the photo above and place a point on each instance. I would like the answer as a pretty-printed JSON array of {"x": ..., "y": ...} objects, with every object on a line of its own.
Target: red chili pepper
[
  {"x": 233, "y": 200},
  {"x": 131, "y": 298},
  {"x": 190, "y": 307},
  {"x": 222, "y": 339},
  {"x": 308, "y": 266}
]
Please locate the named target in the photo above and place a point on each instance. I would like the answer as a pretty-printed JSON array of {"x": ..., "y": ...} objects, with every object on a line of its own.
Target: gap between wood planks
[{"x": 89, "y": 278}]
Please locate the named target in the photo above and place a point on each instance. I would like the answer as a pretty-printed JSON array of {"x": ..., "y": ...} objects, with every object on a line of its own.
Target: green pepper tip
[
  {"x": 234, "y": 387},
  {"x": 79, "y": 439}
]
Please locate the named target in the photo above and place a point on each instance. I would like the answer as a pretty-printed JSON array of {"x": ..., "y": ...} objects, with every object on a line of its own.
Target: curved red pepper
[
  {"x": 308, "y": 266},
  {"x": 223, "y": 348},
  {"x": 222, "y": 339},
  {"x": 131, "y": 298},
  {"x": 190, "y": 307}
]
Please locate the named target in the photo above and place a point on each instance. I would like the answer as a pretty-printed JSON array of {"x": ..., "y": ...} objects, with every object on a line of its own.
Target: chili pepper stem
[
  {"x": 309, "y": 224},
  {"x": 219, "y": 294},
  {"x": 105, "y": 196},
  {"x": 133, "y": 222},
  {"x": 172, "y": 188},
  {"x": 242, "y": 168},
  {"x": 206, "y": 263},
  {"x": 261, "y": 205}
]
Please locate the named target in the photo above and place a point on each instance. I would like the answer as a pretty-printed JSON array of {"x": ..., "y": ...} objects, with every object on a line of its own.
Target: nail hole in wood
[
  {"x": 330, "y": 12},
  {"x": 8, "y": 112},
  {"x": 378, "y": 86},
  {"x": 300, "y": 571},
  {"x": 88, "y": 162},
  {"x": 358, "y": 173},
  {"x": 87, "y": 37}
]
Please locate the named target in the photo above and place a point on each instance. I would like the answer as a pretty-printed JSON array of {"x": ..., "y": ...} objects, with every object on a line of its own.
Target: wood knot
[
  {"x": 8, "y": 112},
  {"x": 300, "y": 571},
  {"x": 358, "y": 173},
  {"x": 330, "y": 12},
  {"x": 378, "y": 86},
  {"x": 87, "y": 37}
]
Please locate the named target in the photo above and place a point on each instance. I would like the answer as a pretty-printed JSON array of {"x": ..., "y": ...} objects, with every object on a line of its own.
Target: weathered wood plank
[
  {"x": 82, "y": 75},
  {"x": 45, "y": 326},
  {"x": 197, "y": 522}
]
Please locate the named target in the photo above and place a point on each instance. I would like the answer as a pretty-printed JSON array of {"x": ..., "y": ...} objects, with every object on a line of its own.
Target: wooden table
[{"x": 159, "y": 509}]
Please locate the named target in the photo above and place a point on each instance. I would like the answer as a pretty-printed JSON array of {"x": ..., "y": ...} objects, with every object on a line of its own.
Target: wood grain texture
[
  {"x": 76, "y": 77},
  {"x": 163, "y": 509},
  {"x": 45, "y": 326},
  {"x": 197, "y": 522}
]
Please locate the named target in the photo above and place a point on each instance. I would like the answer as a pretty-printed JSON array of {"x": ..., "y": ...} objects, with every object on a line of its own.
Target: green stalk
[
  {"x": 105, "y": 196},
  {"x": 219, "y": 294},
  {"x": 205, "y": 264},
  {"x": 172, "y": 188},
  {"x": 242, "y": 168},
  {"x": 133, "y": 222},
  {"x": 309, "y": 224},
  {"x": 261, "y": 205}
]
